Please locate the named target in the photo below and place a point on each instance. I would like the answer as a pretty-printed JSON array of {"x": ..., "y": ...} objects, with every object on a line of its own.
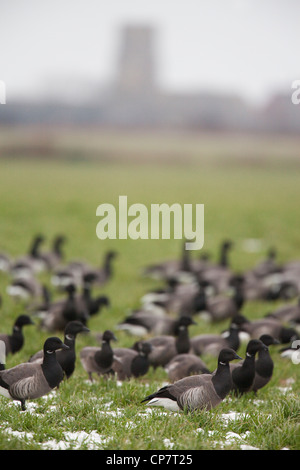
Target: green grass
[{"x": 245, "y": 198}]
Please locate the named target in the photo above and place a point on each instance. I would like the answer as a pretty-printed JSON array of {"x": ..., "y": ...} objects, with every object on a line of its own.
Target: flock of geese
[{"x": 191, "y": 289}]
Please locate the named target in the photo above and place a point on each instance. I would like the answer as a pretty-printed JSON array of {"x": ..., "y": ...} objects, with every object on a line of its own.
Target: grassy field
[{"x": 250, "y": 190}]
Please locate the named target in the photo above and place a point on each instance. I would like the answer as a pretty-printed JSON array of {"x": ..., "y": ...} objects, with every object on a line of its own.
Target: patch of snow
[
  {"x": 247, "y": 447},
  {"x": 232, "y": 416},
  {"x": 76, "y": 440},
  {"x": 169, "y": 444},
  {"x": 19, "y": 434}
]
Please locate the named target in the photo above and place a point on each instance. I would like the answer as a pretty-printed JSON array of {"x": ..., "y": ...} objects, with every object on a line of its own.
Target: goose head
[
  {"x": 23, "y": 320},
  {"x": 254, "y": 346},
  {"x": 75, "y": 327},
  {"x": 53, "y": 344},
  {"x": 268, "y": 340},
  {"x": 108, "y": 336},
  {"x": 227, "y": 355}
]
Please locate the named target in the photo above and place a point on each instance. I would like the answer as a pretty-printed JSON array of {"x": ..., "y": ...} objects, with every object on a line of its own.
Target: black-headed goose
[
  {"x": 211, "y": 344},
  {"x": 287, "y": 314},
  {"x": 165, "y": 347},
  {"x": 264, "y": 364},
  {"x": 204, "y": 391},
  {"x": 132, "y": 362},
  {"x": 268, "y": 265},
  {"x": 54, "y": 257},
  {"x": 25, "y": 289},
  {"x": 29, "y": 381},
  {"x": 96, "y": 359},
  {"x": 31, "y": 263},
  {"x": 269, "y": 326},
  {"x": 93, "y": 304},
  {"x": 149, "y": 320},
  {"x": 219, "y": 275},
  {"x": 65, "y": 357},
  {"x": 243, "y": 373},
  {"x": 222, "y": 306},
  {"x": 14, "y": 342},
  {"x": 100, "y": 276},
  {"x": 59, "y": 313},
  {"x": 170, "y": 269}
]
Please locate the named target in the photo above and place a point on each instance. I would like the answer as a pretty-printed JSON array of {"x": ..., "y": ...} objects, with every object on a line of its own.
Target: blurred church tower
[{"x": 136, "y": 62}]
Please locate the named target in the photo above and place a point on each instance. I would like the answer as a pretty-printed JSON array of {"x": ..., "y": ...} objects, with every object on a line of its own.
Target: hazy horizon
[{"x": 70, "y": 47}]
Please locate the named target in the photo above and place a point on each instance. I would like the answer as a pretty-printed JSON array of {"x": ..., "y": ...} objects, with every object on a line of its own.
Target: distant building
[
  {"x": 136, "y": 74},
  {"x": 135, "y": 100}
]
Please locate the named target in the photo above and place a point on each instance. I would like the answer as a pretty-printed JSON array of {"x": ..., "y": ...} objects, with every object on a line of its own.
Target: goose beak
[
  {"x": 238, "y": 357},
  {"x": 64, "y": 346}
]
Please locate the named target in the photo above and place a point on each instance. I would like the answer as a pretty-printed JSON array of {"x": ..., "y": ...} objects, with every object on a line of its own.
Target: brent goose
[
  {"x": 263, "y": 364},
  {"x": 31, "y": 263},
  {"x": 212, "y": 344},
  {"x": 55, "y": 256},
  {"x": 100, "y": 276},
  {"x": 98, "y": 360},
  {"x": 287, "y": 314},
  {"x": 25, "y": 288},
  {"x": 270, "y": 326},
  {"x": 94, "y": 304},
  {"x": 15, "y": 341},
  {"x": 184, "y": 365},
  {"x": 220, "y": 307},
  {"x": 59, "y": 313},
  {"x": 243, "y": 373},
  {"x": 149, "y": 319},
  {"x": 165, "y": 347},
  {"x": 170, "y": 269},
  {"x": 29, "y": 381},
  {"x": 66, "y": 357},
  {"x": 204, "y": 391},
  {"x": 129, "y": 362}
]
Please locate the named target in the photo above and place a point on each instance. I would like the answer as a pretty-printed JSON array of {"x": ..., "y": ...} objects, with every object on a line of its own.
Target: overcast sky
[{"x": 248, "y": 47}]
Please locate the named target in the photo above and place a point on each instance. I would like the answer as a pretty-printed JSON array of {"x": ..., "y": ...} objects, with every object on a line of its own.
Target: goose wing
[
  {"x": 25, "y": 381},
  {"x": 199, "y": 397}
]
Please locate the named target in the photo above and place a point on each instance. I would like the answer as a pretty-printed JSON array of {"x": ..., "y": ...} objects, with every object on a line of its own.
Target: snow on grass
[
  {"x": 232, "y": 416},
  {"x": 77, "y": 440}
]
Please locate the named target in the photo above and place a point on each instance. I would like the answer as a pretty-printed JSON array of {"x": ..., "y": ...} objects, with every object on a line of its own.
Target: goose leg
[{"x": 23, "y": 407}]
